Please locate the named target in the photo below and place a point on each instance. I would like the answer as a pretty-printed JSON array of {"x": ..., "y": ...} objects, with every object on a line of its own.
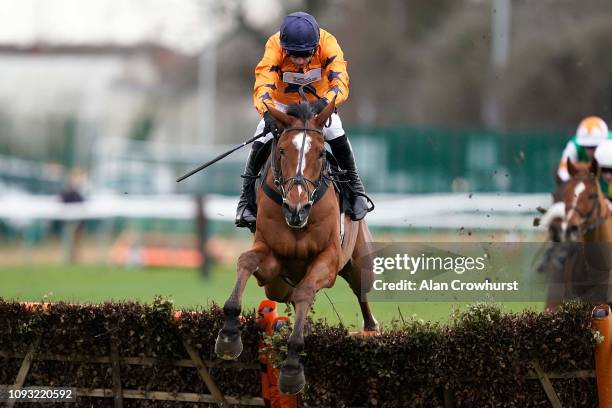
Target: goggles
[{"x": 303, "y": 54}]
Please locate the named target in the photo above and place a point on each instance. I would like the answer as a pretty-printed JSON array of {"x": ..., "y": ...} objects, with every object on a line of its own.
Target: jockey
[
  {"x": 580, "y": 148},
  {"x": 603, "y": 155},
  {"x": 300, "y": 54}
]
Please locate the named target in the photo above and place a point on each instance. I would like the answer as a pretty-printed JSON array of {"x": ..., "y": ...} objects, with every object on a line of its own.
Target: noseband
[{"x": 285, "y": 185}]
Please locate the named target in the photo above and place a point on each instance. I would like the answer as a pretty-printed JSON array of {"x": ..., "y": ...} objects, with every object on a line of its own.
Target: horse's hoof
[
  {"x": 228, "y": 347},
  {"x": 372, "y": 329},
  {"x": 291, "y": 381}
]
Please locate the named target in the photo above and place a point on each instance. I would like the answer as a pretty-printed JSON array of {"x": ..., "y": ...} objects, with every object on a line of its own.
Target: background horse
[
  {"x": 555, "y": 255},
  {"x": 297, "y": 249},
  {"x": 587, "y": 232}
]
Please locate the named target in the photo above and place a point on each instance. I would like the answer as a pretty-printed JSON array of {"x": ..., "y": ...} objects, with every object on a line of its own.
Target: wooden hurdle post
[{"x": 24, "y": 369}]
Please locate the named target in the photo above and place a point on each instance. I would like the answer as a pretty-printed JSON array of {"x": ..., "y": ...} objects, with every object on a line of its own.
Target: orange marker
[
  {"x": 270, "y": 322},
  {"x": 266, "y": 313},
  {"x": 602, "y": 322},
  {"x": 34, "y": 305}
]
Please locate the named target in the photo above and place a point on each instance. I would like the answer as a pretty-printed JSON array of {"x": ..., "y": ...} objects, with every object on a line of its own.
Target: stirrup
[
  {"x": 356, "y": 194},
  {"x": 242, "y": 223},
  {"x": 245, "y": 224},
  {"x": 353, "y": 214}
]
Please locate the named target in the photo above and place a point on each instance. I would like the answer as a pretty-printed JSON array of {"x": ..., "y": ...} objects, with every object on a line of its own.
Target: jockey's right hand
[{"x": 270, "y": 124}]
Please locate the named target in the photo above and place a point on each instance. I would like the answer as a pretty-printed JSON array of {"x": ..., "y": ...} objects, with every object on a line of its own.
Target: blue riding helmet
[{"x": 299, "y": 32}]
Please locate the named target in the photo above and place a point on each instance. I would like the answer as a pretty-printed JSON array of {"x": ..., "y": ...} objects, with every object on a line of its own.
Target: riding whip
[{"x": 221, "y": 156}]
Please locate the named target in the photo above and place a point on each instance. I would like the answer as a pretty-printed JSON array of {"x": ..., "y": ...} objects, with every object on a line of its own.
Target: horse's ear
[
  {"x": 324, "y": 115},
  {"x": 594, "y": 168},
  {"x": 281, "y": 117},
  {"x": 571, "y": 168}
]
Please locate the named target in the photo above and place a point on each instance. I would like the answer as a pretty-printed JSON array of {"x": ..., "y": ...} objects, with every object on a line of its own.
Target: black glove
[
  {"x": 270, "y": 124},
  {"x": 319, "y": 105}
]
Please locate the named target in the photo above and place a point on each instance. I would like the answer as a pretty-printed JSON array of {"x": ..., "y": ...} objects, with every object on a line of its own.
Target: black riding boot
[
  {"x": 246, "y": 212},
  {"x": 341, "y": 149}
]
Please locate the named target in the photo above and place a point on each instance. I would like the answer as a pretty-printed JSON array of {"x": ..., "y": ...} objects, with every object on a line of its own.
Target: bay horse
[
  {"x": 296, "y": 249},
  {"x": 587, "y": 231}
]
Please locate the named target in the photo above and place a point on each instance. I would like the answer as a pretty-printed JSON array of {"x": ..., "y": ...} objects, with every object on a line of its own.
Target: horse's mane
[{"x": 302, "y": 111}]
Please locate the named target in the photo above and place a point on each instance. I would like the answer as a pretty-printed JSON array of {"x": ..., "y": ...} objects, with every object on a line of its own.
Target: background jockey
[
  {"x": 591, "y": 131},
  {"x": 603, "y": 155},
  {"x": 300, "y": 54}
]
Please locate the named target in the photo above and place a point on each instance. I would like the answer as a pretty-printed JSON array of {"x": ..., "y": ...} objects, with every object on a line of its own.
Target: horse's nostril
[
  {"x": 571, "y": 232},
  {"x": 572, "y": 228}
]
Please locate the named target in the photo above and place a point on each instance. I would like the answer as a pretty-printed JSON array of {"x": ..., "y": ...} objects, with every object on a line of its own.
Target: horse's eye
[
  {"x": 282, "y": 151},
  {"x": 322, "y": 154},
  {"x": 593, "y": 195}
]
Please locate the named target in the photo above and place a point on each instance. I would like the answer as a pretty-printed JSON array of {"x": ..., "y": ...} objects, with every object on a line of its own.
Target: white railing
[{"x": 485, "y": 211}]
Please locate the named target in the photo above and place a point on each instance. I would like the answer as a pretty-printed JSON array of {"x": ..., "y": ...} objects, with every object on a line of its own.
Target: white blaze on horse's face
[
  {"x": 578, "y": 189},
  {"x": 297, "y": 142}
]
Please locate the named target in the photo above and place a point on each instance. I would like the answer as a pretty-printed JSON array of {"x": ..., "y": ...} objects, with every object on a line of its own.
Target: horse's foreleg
[
  {"x": 229, "y": 345},
  {"x": 319, "y": 275}
]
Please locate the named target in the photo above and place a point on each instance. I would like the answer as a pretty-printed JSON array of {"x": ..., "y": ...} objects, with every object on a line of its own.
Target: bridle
[
  {"x": 285, "y": 185},
  {"x": 588, "y": 224}
]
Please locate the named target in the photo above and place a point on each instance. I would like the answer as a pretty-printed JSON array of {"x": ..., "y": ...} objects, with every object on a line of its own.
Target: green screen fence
[
  {"x": 407, "y": 160},
  {"x": 394, "y": 160}
]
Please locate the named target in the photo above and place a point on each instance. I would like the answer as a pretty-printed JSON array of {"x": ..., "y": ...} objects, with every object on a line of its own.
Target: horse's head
[
  {"x": 299, "y": 159},
  {"x": 582, "y": 199}
]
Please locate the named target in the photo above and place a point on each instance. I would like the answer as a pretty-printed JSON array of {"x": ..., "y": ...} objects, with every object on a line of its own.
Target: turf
[{"x": 94, "y": 284}]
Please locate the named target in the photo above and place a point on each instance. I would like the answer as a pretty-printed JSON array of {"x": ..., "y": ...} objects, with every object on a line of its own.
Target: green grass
[{"x": 93, "y": 284}]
